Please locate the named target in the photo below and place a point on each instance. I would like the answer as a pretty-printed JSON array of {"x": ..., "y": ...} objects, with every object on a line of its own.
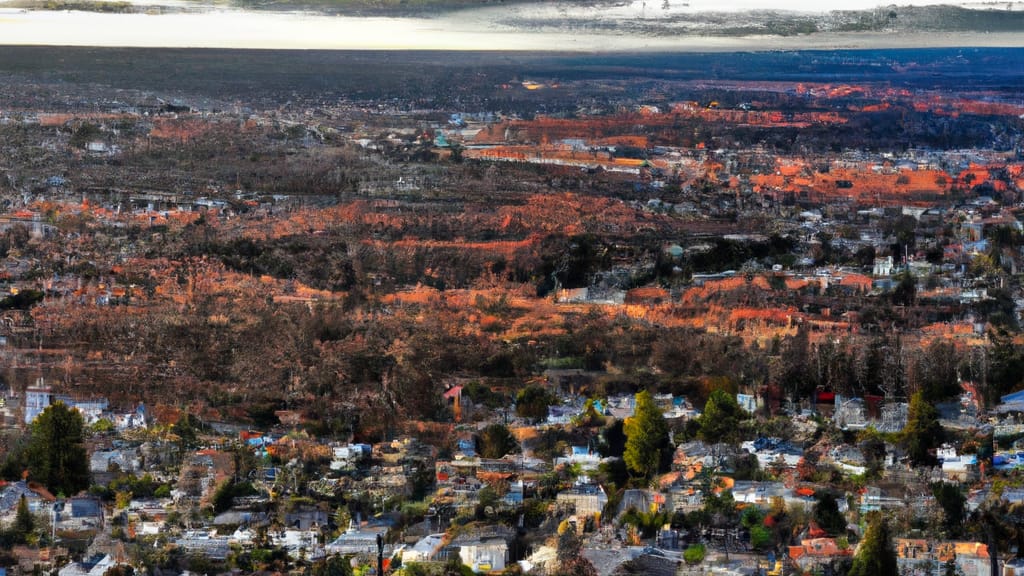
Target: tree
[
  {"x": 719, "y": 509},
  {"x": 569, "y": 555},
  {"x": 905, "y": 291},
  {"x": 827, "y": 515},
  {"x": 56, "y": 450},
  {"x": 694, "y": 554},
  {"x": 876, "y": 555},
  {"x": 24, "y": 523},
  {"x": 952, "y": 501},
  {"x": 495, "y": 441},
  {"x": 720, "y": 421},
  {"x": 922, "y": 432},
  {"x": 533, "y": 401},
  {"x": 333, "y": 566},
  {"x": 646, "y": 437},
  {"x": 761, "y": 538},
  {"x": 1007, "y": 364}
]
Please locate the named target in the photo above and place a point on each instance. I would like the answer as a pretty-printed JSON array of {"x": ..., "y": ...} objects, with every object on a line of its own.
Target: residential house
[
  {"x": 585, "y": 499},
  {"x": 299, "y": 543},
  {"x": 641, "y": 500},
  {"x": 148, "y": 516},
  {"x": 485, "y": 551},
  {"x": 94, "y": 566},
  {"x": 759, "y": 493},
  {"x": 37, "y": 399},
  {"x": 957, "y": 467},
  {"x": 849, "y": 459},
  {"x": 306, "y": 518},
  {"x": 359, "y": 540},
  {"x": 349, "y": 455},
  {"x": 424, "y": 549},
  {"x": 883, "y": 266},
  {"x": 582, "y": 455},
  {"x": 773, "y": 452},
  {"x": 39, "y": 499},
  {"x": 971, "y": 558},
  {"x": 243, "y": 536},
  {"x": 817, "y": 552},
  {"x": 122, "y": 459},
  {"x": 207, "y": 544},
  {"x": 79, "y": 514}
]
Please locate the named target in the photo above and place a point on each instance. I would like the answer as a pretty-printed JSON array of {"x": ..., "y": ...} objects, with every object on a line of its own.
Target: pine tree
[
  {"x": 721, "y": 418},
  {"x": 923, "y": 431},
  {"x": 646, "y": 437},
  {"x": 876, "y": 555},
  {"x": 56, "y": 450},
  {"x": 24, "y": 523}
]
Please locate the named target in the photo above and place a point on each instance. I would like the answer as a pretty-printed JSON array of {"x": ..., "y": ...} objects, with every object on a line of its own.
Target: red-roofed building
[{"x": 815, "y": 552}]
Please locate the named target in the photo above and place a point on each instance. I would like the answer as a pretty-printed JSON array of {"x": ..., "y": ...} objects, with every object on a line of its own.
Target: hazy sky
[{"x": 488, "y": 28}]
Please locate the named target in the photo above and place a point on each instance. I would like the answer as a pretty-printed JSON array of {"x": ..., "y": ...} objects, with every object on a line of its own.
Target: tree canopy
[
  {"x": 721, "y": 418},
  {"x": 533, "y": 401},
  {"x": 876, "y": 555},
  {"x": 827, "y": 515},
  {"x": 496, "y": 441},
  {"x": 56, "y": 450},
  {"x": 922, "y": 432},
  {"x": 646, "y": 437}
]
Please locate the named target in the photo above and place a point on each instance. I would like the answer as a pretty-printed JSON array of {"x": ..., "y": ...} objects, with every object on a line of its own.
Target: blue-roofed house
[
  {"x": 39, "y": 499},
  {"x": 80, "y": 514},
  {"x": 94, "y": 566}
]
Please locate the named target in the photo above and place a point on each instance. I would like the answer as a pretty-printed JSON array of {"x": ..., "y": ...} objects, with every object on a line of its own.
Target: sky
[{"x": 497, "y": 28}]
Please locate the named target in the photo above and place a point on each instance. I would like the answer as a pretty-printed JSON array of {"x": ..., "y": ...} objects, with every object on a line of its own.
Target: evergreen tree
[
  {"x": 876, "y": 555},
  {"x": 56, "y": 450},
  {"x": 1007, "y": 365},
  {"x": 720, "y": 421},
  {"x": 923, "y": 432},
  {"x": 827, "y": 515},
  {"x": 952, "y": 501},
  {"x": 646, "y": 437},
  {"x": 24, "y": 523},
  {"x": 496, "y": 441}
]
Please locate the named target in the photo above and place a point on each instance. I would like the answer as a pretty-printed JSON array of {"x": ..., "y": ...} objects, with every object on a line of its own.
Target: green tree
[
  {"x": 24, "y": 523},
  {"x": 694, "y": 554},
  {"x": 1007, "y": 365},
  {"x": 827, "y": 515},
  {"x": 647, "y": 522},
  {"x": 761, "y": 538},
  {"x": 646, "y": 437},
  {"x": 56, "y": 450},
  {"x": 185, "y": 430},
  {"x": 496, "y": 441},
  {"x": 905, "y": 291},
  {"x": 721, "y": 419},
  {"x": 952, "y": 501},
  {"x": 333, "y": 566},
  {"x": 533, "y": 401},
  {"x": 876, "y": 555},
  {"x": 223, "y": 497},
  {"x": 922, "y": 432},
  {"x": 720, "y": 509}
]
